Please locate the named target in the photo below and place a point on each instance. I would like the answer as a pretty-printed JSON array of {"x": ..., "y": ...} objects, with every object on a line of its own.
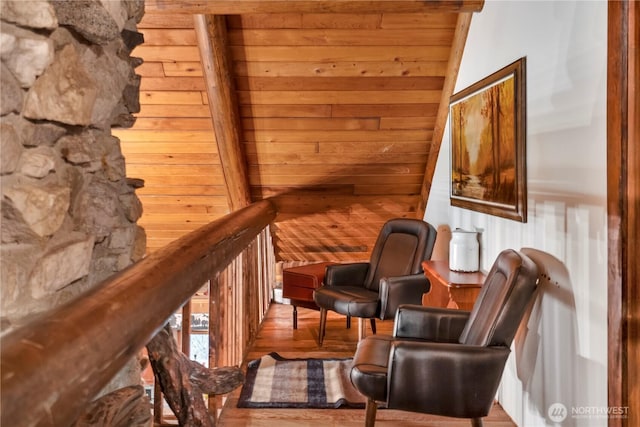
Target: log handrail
[
  {"x": 238, "y": 7},
  {"x": 54, "y": 365}
]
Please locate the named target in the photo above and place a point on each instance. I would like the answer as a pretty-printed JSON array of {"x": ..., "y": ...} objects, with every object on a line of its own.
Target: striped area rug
[{"x": 275, "y": 382}]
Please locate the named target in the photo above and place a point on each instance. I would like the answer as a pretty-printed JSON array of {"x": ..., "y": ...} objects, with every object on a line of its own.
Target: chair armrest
[
  {"x": 454, "y": 380},
  {"x": 429, "y": 323},
  {"x": 401, "y": 290},
  {"x": 346, "y": 274}
]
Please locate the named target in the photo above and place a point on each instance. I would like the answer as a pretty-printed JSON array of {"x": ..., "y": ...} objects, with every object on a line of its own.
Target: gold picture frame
[{"x": 487, "y": 127}]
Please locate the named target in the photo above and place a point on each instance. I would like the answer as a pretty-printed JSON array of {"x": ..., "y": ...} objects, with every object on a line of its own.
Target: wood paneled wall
[
  {"x": 172, "y": 144},
  {"x": 337, "y": 111}
]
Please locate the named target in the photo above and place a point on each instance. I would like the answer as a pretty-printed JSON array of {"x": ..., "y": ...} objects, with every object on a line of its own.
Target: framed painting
[{"x": 487, "y": 128}]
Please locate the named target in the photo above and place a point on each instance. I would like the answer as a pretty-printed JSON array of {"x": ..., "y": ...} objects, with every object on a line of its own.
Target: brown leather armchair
[
  {"x": 448, "y": 362},
  {"x": 393, "y": 275}
]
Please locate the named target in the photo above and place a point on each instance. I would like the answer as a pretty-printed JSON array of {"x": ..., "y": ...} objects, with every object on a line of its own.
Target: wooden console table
[
  {"x": 451, "y": 289},
  {"x": 298, "y": 284}
]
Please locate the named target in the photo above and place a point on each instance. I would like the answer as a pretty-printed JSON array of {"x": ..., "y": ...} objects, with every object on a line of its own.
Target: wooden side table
[
  {"x": 451, "y": 289},
  {"x": 298, "y": 284}
]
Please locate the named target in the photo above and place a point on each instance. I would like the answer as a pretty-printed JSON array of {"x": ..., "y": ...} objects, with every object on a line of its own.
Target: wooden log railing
[
  {"x": 239, "y": 297},
  {"x": 53, "y": 366}
]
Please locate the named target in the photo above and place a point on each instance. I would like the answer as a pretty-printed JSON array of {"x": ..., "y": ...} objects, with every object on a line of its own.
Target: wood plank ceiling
[{"x": 341, "y": 108}]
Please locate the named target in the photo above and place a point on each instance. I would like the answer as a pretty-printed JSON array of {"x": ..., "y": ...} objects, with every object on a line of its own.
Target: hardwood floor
[{"x": 277, "y": 335}]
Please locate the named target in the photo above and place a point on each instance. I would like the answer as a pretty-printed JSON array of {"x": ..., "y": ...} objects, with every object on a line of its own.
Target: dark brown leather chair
[
  {"x": 448, "y": 362},
  {"x": 393, "y": 275}
]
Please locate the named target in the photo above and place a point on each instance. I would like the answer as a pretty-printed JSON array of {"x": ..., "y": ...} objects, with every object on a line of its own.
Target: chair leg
[
  {"x": 370, "y": 413},
  {"x": 476, "y": 422},
  {"x": 373, "y": 326},
  {"x": 323, "y": 325},
  {"x": 348, "y": 322}
]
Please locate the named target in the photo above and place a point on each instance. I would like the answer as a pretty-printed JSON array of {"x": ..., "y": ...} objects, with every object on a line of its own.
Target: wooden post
[
  {"x": 214, "y": 333},
  {"x": 184, "y": 381},
  {"x": 218, "y": 73},
  {"x": 185, "y": 344},
  {"x": 623, "y": 210}
]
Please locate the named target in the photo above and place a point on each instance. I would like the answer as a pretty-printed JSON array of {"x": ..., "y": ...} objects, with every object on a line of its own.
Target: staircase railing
[{"x": 53, "y": 366}]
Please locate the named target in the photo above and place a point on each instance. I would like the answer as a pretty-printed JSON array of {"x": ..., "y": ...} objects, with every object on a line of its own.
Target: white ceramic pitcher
[{"x": 464, "y": 251}]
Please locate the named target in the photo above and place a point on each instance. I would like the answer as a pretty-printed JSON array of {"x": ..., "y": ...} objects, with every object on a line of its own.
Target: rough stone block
[
  {"x": 140, "y": 244},
  {"x": 96, "y": 209},
  {"x": 132, "y": 206},
  {"x": 43, "y": 206},
  {"x": 34, "y": 134},
  {"x": 37, "y": 162},
  {"x": 118, "y": 11},
  {"x": 131, "y": 94},
  {"x": 64, "y": 93},
  {"x": 16, "y": 262},
  {"x": 122, "y": 237},
  {"x": 13, "y": 228},
  {"x": 11, "y": 95},
  {"x": 10, "y": 147},
  {"x": 8, "y": 43},
  {"x": 135, "y": 10},
  {"x": 89, "y": 18},
  {"x": 112, "y": 160},
  {"x": 132, "y": 39},
  {"x": 32, "y": 13},
  {"x": 61, "y": 265},
  {"x": 76, "y": 148},
  {"x": 110, "y": 85},
  {"x": 29, "y": 53}
]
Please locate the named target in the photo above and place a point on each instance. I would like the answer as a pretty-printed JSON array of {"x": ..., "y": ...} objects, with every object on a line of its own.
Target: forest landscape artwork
[{"x": 487, "y": 145}]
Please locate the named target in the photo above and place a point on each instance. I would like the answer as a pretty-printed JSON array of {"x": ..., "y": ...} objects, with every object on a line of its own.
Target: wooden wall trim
[
  {"x": 633, "y": 196},
  {"x": 234, "y": 7},
  {"x": 453, "y": 67},
  {"x": 623, "y": 193},
  {"x": 211, "y": 31}
]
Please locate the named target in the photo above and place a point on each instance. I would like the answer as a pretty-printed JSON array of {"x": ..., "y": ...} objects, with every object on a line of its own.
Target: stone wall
[{"x": 68, "y": 210}]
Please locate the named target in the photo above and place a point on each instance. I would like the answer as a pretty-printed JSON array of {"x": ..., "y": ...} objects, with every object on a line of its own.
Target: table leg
[{"x": 295, "y": 317}]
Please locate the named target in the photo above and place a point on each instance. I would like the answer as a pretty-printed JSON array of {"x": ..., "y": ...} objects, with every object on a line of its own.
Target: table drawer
[
  {"x": 297, "y": 293},
  {"x": 299, "y": 282}
]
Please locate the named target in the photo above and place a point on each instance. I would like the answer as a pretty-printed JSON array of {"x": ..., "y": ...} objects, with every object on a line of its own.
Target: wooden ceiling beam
[
  {"x": 211, "y": 33},
  {"x": 235, "y": 7},
  {"x": 457, "y": 49}
]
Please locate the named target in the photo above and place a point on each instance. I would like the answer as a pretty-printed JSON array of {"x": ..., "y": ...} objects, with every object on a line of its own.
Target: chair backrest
[
  {"x": 502, "y": 302},
  {"x": 402, "y": 245}
]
